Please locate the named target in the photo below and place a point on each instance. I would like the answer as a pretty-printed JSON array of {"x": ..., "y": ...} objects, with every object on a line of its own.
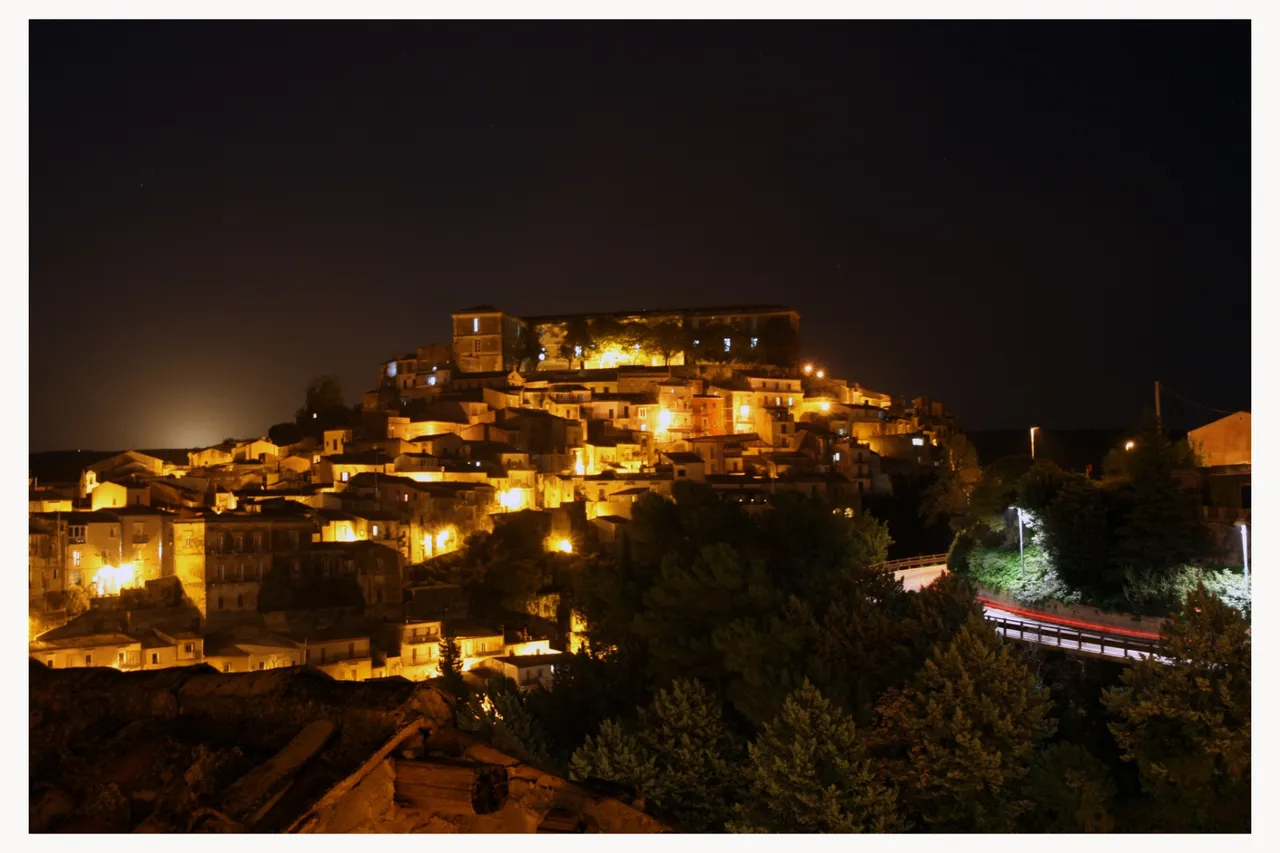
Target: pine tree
[
  {"x": 615, "y": 755},
  {"x": 679, "y": 756},
  {"x": 960, "y": 738},
  {"x": 808, "y": 773},
  {"x": 1186, "y": 720},
  {"x": 451, "y": 663},
  {"x": 1072, "y": 791}
]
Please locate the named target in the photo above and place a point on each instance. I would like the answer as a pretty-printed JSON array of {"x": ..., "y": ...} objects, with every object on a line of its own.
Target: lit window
[
  {"x": 754, "y": 341},
  {"x": 391, "y": 369},
  {"x": 837, "y": 456},
  {"x": 345, "y": 475},
  {"x": 75, "y": 558},
  {"x": 791, "y": 401},
  {"x": 918, "y": 442},
  {"x": 375, "y": 530},
  {"x": 431, "y": 380},
  {"x": 727, "y": 342},
  {"x": 475, "y": 324},
  {"x": 696, "y": 342}
]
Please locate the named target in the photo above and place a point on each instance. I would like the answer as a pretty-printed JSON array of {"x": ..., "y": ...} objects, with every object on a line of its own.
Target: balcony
[{"x": 141, "y": 539}]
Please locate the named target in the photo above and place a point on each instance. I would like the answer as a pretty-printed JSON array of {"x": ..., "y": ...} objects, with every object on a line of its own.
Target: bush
[{"x": 1159, "y": 594}]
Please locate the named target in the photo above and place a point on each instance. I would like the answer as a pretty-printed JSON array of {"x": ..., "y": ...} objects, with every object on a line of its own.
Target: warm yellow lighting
[
  {"x": 442, "y": 538},
  {"x": 664, "y": 420},
  {"x": 744, "y": 410},
  {"x": 564, "y": 546},
  {"x": 109, "y": 580},
  {"x": 1129, "y": 445},
  {"x": 579, "y": 468},
  {"x": 808, "y": 368},
  {"x": 511, "y": 498},
  {"x": 821, "y": 373},
  {"x": 347, "y": 535}
]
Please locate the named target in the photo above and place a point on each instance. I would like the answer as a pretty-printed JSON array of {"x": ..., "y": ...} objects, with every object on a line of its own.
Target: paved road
[
  {"x": 1038, "y": 631},
  {"x": 918, "y": 578}
]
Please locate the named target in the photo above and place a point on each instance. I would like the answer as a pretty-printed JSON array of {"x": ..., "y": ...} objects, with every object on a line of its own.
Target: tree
[
  {"x": 526, "y": 349},
  {"x": 668, "y": 339},
  {"x": 451, "y": 664},
  {"x": 679, "y": 755},
  {"x": 808, "y": 772},
  {"x": 947, "y": 497},
  {"x": 284, "y": 434},
  {"x": 960, "y": 738},
  {"x": 501, "y": 711},
  {"x": 1184, "y": 718},
  {"x": 1072, "y": 791},
  {"x": 578, "y": 340},
  {"x": 1079, "y": 530},
  {"x": 323, "y": 393}
]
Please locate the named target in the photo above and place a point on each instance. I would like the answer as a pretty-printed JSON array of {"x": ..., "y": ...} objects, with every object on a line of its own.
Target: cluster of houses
[{"x": 247, "y": 555}]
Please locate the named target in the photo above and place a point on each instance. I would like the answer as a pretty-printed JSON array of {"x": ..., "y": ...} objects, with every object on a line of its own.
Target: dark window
[
  {"x": 155, "y": 658},
  {"x": 1246, "y": 496}
]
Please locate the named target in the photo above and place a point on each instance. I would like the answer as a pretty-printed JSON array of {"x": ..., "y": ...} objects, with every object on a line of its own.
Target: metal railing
[
  {"x": 1108, "y": 645},
  {"x": 914, "y": 562}
]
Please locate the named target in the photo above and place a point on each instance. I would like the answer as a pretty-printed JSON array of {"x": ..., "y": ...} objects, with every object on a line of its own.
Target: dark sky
[{"x": 1030, "y": 222}]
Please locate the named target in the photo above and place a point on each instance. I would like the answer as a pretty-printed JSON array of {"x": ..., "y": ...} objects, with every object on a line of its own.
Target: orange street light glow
[{"x": 808, "y": 368}]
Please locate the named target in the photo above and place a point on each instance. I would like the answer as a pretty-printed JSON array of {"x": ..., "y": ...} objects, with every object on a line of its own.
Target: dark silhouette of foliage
[
  {"x": 808, "y": 772},
  {"x": 1186, "y": 720},
  {"x": 1071, "y": 790}
]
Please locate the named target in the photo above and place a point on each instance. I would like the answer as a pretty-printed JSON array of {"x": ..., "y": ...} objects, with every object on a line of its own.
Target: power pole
[{"x": 1159, "y": 422}]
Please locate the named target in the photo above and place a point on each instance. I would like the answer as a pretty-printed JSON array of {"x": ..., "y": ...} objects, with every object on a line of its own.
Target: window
[
  {"x": 918, "y": 442},
  {"x": 219, "y": 542},
  {"x": 375, "y": 530},
  {"x": 226, "y": 667},
  {"x": 345, "y": 475},
  {"x": 137, "y": 528},
  {"x": 262, "y": 665},
  {"x": 697, "y": 342},
  {"x": 777, "y": 401},
  {"x": 351, "y": 650},
  {"x": 257, "y": 541},
  {"x": 415, "y": 654},
  {"x": 75, "y": 559},
  {"x": 475, "y": 324},
  {"x": 754, "y": 341},
  {"x": 49, "y": 661},
  {"x": 155, "y": 658},
  {"x": 111, "y": 531},
  {"x": 188, "y": 647},
  {"x": 475, "y": 344},
  {"x": 239, "y": 542},
  {"x": 837, "y": 456},
  {"x": 727, "y": 344},
  {"x": 791, "y": 401},
  {"x": 220, "y": 602},
  {"x": 431, "y": 380},
  {"x": 293, "y": 539},
  {"x": 88, "y": 660},
  {"x": 222, "y": 572},
  {"x": 353, "y": 675},
  {"x": 120, "y": 658}
]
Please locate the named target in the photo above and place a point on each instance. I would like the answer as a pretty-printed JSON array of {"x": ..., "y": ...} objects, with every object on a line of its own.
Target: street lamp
[
  {"x": 1244, "y": 551},
  {"x": 1128, "y": 445},
  {"x": 1033, "y": 442},
  {"x": 1022, "y": 557}
]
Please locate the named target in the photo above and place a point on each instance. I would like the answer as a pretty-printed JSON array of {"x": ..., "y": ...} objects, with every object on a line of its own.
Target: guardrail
[
  {"x": 914, "y": 562},
  {"x": 1071, "y": 639}
]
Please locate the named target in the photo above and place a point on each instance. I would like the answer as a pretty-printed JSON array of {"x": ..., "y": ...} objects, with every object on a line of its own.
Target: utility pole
[{"x": 1159, "y": 422}]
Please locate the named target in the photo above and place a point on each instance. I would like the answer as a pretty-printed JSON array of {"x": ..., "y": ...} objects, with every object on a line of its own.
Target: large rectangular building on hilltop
[{"x": 485, "y": 339}]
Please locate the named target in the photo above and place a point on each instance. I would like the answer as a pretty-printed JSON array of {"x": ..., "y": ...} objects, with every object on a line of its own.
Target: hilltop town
[{"x": 315, "y": 545}]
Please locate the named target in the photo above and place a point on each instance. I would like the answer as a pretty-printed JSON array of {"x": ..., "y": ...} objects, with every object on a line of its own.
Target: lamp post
[
  {"x": 1033, "y": 449},
  {"x": 1244, "y": 551},
  {"x": 1022, "y": 557}
]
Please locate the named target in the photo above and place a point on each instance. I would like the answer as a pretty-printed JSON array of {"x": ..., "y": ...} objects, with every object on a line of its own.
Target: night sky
[{"x": 1030, "y": 222}]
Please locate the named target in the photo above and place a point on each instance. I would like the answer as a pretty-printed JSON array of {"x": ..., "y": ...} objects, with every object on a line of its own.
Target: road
[
  {"x": 1025, "y": 625},
  {"x": 1089, "y": 641},
  {"x": 918, "y": 578}
]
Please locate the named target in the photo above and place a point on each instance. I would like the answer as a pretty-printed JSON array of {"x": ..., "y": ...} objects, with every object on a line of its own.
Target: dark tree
[
  {"x": 577, "y": 338},
  {"x": 451, "y": 663},
  {"x": 668, "y": 340},
  {"x": 1185, "y": 720},
  {"x": 1071, "y": 790},
  {"x": 284, "y": 434},
  {"x": 808, "y": 772}
]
